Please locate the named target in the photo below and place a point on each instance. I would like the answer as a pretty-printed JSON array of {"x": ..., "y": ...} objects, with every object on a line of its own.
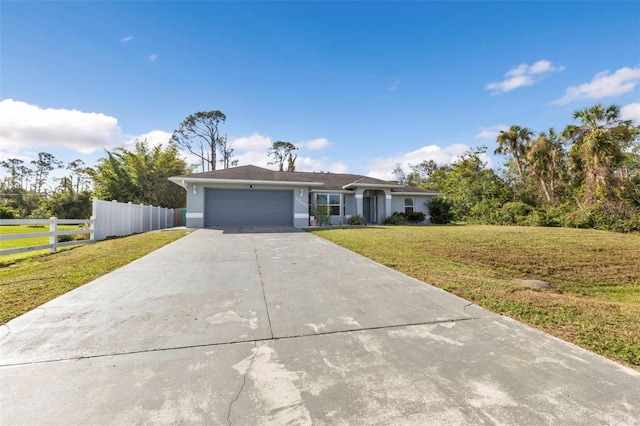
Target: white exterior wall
[
  {"x": 350, "y": 205},
  {"x": 195, "y": 206},
  {"x": 301, "y": 207}
]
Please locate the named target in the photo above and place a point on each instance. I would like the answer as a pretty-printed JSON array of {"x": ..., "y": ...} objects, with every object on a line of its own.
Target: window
[
  {"x": 334, "y": 204},
  {"x": 408, "y": 205},
  {"x": 334, "y": 201}
]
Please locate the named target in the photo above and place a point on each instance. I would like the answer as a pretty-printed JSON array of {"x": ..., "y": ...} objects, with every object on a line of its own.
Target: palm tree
[
  {"x": 546, "y": 158},
  {"x": 515, "y": 141},
  {"x": 597, "y": 143}
]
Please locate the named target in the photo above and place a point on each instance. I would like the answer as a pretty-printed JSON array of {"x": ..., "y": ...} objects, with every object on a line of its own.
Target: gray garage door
[{"x": 241, "y": 207}]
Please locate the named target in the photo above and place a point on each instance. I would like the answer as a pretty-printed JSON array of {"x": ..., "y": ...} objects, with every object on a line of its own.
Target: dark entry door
[{"x": 366, "y": 208}]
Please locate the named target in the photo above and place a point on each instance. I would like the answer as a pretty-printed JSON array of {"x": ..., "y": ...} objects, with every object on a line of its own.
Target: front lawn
[
  {"x": 596, "y": 274},
  {"x": 27, "y": 242}
]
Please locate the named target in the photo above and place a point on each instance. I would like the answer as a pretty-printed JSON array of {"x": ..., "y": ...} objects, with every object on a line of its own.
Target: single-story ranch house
[{"x": 254, "y": 196}]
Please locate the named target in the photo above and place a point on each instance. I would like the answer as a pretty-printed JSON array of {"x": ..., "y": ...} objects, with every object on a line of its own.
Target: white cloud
[
  {"x": 153, "y": 57},
  {"x": 252, "y": 142},
  {"x": 631, "y": 112},
  {"x": 382, "y": 167},
  {"x": 491, "y": 132},
  {"x": 394, "y": 86},
  {"x": 27, "y": 127},
  {"x": 541, "y": 67},
  {"x": 253, "y": 150},
  {"x": 154, "y": 138},
  {"x": 523, "y": 75},
  {"x": 126, "y": 39},
  {"x": 314, "y": 144},
  {"x": 307, "y": 164},
  {"x": 603, "y": 85}
]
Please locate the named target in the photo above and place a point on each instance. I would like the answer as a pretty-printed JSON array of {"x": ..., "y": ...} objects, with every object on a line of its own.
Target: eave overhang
[
  {"x": 183, "y": 181},
  {"x": 429, "y": 194},
  {"x": 354, "y": 185}
]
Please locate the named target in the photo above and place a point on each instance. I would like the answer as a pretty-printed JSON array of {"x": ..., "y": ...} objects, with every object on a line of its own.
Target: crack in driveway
[
  {"x": 244, "y": 382},
  {"x": 264, "y": 296},
  {"x": 255, "y": 341}
]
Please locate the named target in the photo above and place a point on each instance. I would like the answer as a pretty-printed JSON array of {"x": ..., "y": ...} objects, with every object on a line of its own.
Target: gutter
[
  {"x": 182, "y": 182},
  {"x": 371, "y": 186},
  {"x": 432, "y": 194}
]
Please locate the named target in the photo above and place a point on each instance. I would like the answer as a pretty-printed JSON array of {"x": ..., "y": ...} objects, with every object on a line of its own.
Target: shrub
[
  {"x": 42, "y": 212},
  {"x": 515, "y": 213},
  {"x": 64, "y": 238},
  {"x": 8, "y": 213},
  {"x": 440, "y": 209},
  {"x": 551, "y": 216},
  {"x": 415, "y": 217},
  {"x": 618, "y": 217},
  {"x": 357, "y": 220},
  {"x": 396, "y": 218},
  {"x": 322, "y": 214},
  {"x": 485, "y": 212},
  {"x": 399, "y": 218}
]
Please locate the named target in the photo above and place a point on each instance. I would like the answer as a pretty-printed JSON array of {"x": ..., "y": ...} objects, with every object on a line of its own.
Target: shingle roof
[
  {"x": 330, "y": 181},
  {"x": 414, "y": 189}
]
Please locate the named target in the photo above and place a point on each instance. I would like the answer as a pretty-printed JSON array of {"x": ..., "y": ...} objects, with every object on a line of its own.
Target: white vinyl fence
[
  {"x": 109, "y": 219},
  {"x": 113, "y": 219}
]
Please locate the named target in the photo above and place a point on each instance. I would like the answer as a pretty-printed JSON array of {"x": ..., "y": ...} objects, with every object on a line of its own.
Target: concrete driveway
[{"x": 279, "y": 327}]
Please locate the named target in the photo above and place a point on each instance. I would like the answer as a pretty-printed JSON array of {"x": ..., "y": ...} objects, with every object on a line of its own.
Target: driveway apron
[{"x": 254, "y": 326}]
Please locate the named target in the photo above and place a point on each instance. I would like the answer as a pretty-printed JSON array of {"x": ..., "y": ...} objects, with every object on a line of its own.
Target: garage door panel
[{"x": 237, "y": 207}]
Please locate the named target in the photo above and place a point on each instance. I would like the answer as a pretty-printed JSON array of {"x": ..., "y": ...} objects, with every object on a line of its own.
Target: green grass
[
  {"x": 34, "y": 281},
  {"x": 27, "y": 242},
  {"x": 596, "y": 274}
]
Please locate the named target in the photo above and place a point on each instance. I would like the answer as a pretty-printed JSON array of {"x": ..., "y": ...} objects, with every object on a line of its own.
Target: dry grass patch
[
  {"x": 597, "y": 300},
  {"x": 29, "y": 283}
]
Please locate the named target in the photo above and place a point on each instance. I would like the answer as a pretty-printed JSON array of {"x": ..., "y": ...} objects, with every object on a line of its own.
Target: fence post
[
  {"x": 130, "y": 217},
  {"x": 53, "y": 234},
  {"x": 114, "y": 222},
  {"x": 94, "y": 217},
  {"x": 92, "y": 228}
]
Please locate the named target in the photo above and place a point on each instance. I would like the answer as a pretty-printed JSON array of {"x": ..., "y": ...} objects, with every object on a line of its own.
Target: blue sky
[{"x": 358, "y": 86}]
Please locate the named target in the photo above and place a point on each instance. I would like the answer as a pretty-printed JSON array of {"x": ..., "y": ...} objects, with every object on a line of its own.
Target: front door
[{"x": 369, "y": 208}]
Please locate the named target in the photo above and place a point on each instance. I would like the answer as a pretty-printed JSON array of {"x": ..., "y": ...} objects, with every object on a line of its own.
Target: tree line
[
  {"x": 138, "y": 174},
  {"x": 586, "y": 175},
  {"x": 28, "y": 192}
]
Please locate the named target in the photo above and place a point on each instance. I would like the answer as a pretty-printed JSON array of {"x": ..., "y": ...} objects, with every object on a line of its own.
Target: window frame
[
  {"x": 411, "y": 206},
  {"x": 333, "y": 205}
]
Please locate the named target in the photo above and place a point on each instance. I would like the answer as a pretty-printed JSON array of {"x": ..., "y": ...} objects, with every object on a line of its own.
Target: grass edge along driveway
[
  {"x": 596, "y": 304},
  {"x": 29, "y": 283}
]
